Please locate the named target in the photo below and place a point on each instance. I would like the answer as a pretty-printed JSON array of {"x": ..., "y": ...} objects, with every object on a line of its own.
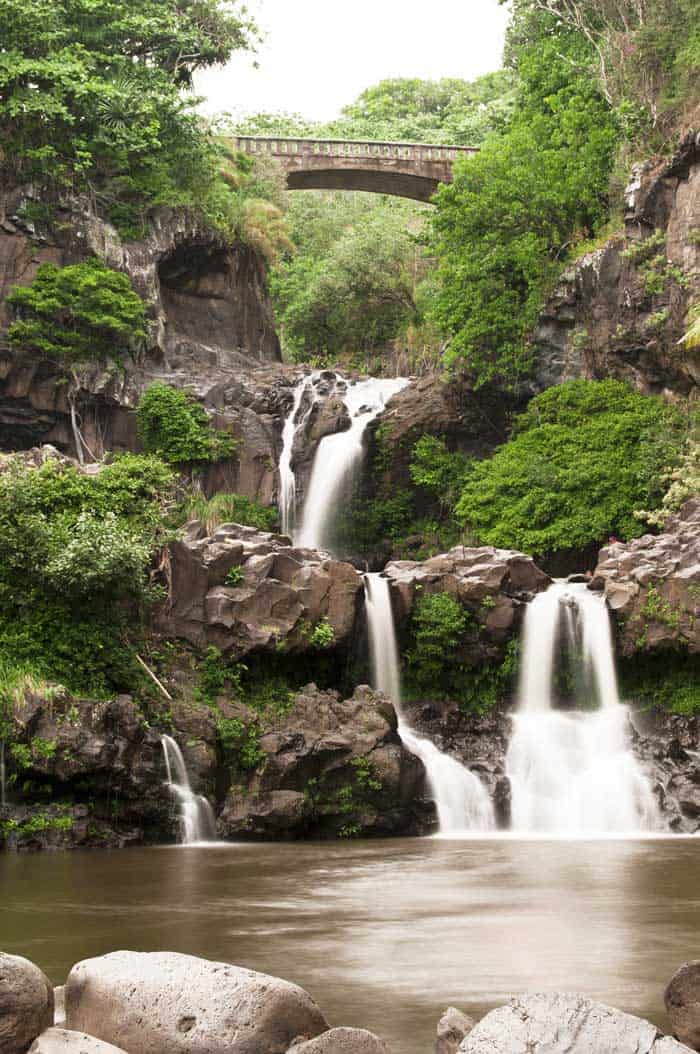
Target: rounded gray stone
[
  {"x": 63, "y": 1041},
  {"x": 343, "y": 1041},
  {"x": 167, "y": 1003},
  {"x": 453, "y": 1026},
  {"x": 26, "y": 1003},
  {"x": 682, "y": 999},
  {"x": 565, "y": 1024}
]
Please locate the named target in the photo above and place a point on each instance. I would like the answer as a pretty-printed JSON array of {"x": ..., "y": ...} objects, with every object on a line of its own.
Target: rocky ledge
[
  {"x": 243, "y": 590},
  {"x": 652, "y": 586},
  {"x": 332, "y": 767},
  {"x": 167, "y": 1003}
]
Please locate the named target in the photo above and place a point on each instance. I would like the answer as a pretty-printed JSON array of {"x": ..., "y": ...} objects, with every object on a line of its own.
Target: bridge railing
[{"x": 352, "y": 148}]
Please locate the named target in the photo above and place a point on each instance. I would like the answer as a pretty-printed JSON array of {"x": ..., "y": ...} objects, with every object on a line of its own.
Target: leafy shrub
[
  {"x": 227, "y": 508},
  {"x": 173, "y": 425},
  {"x": 76, "y": 313},
  {"x": 670, "y": 682},
  {"x": 438, "y": 625},
  {"x": 99, "y": 556},
  {"x": 321, "y": 635},
  {"x": 437, "y": 470},
  {"x": 584, "y": 455}
]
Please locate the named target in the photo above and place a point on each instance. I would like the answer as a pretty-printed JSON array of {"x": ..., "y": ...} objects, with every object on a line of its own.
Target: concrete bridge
[{"x": 407, "y": 170}]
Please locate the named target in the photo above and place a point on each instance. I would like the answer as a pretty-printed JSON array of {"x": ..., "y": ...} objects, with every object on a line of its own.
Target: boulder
[
  {"x": 280, "y": 594},
  {"x": 331, "y": 765},
  {"x": 63, "y": 1041},
  {"x": 342, "y": 1041},
  {"x": 682, "y": 999},
  {"x": 452, "y": 1028},
  {"x": 652, "y": 585},
  {"x": 26, "y": 1003},
  {"x": 166, "y": 1003},
  {"x": 565, "y": 1024}
]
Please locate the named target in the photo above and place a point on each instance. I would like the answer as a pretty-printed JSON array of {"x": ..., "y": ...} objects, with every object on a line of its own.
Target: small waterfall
[
  {"x": 197, "y": 820},
  {"x": 572, "y": 772},
  {"x": 288, "y": 490},
  {"x": 337, "y": 458},
  {"x": 462, "y": 801}
]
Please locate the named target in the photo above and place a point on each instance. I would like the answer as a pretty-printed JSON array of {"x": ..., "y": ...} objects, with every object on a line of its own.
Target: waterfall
[
  {"x": 197, "y": 821},
  {"x": 462, "y": 801},
  {"x": 337, "y": 457},
  {"x": 288, "y": 490},
  {"x": 571, "y": 772}
]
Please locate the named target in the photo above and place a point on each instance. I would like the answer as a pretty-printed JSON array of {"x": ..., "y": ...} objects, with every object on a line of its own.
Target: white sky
[{"x": 319, "y": 55}]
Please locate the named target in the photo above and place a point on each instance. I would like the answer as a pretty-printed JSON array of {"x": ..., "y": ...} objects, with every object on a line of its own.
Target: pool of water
[{"x": 384, "y": 935}]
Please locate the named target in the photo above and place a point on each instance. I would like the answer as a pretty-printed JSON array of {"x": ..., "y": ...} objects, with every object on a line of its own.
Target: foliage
[
  {"x": 682, "y": 482},
  {"x": 438, "y": 624},
  {"x": 437, "y": 470},
  {"x": 502, "y": 228},
  {"x": 76, "y": 313},
  {"x": 175, "y": 427},
  {"x": 322, "y": 635},
  {"x": 93, "y": 98},
  {"x": 76, "y": 549},
  {"x": 226, "y": 507},
  {"x": 585, "y": 454},
  {"x": 691, "y": 338},
  {"x": 670, "y": 682}
]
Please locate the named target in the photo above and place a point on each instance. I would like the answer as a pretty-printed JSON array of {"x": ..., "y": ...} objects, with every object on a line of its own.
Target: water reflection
[{"x": 383, "y": 934}]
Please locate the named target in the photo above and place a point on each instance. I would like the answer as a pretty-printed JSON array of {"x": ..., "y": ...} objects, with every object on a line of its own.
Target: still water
[{"x": 384, "y": 935}]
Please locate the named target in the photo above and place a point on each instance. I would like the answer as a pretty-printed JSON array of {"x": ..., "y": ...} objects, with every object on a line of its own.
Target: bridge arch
[{"x": 408, "y": 170}]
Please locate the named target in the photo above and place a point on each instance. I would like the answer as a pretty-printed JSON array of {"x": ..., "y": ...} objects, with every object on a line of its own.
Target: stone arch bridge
[{"x": 407, "y": 170}]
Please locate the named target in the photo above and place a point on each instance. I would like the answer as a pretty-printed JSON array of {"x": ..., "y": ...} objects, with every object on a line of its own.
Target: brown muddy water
[{"x": 384, "y": 935}]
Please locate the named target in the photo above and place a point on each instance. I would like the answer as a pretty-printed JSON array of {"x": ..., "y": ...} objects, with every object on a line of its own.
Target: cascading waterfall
[
  {"x": 462, "y": 801},
  {"x": 197, "y": 820},
  {"x": 288, "y": 488},
  {"x": 572, "y": 773},
  {"x": 337, "y": 457}
]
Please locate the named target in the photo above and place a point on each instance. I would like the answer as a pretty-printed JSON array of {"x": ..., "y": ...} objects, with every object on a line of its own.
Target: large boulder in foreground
[
  {"x": 682, "y": 999},
  {"x": 652, "y": 586},
  {"x": 343, "y": 1041},
  {"x": 26, "y": 1003},
  {"x": 331, "y": 766},
  {"x": 242, "y": 590},
  {"x": 166, "y": 1003},
  {"x": 565, "y": 1024},
  {"x": 63, "y": 1041}
]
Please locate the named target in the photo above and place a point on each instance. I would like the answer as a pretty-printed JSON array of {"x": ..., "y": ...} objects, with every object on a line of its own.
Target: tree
[
  {"x": 585, "y": 455},
  {"x": 502, "y": 228},
  {"x": 91, "y": 96}
]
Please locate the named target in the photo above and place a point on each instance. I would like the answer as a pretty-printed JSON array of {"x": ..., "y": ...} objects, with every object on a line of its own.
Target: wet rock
[
  {"x": 165, "y": 1003},
  {"x": 342, "y": 1041},
  {"x": 26, "y": 1003},
  {"x": 331, "y": 766},
  {"x": 280, "y": 594},
  {"x": 652, "y": 586},
  {"x": 682, "y": 999},
  {"x": 452, "y": 1028},
  {"x": 64, "y": 1041},
  {"x": 669, "y": 747},
  {"x": 59, "y": 1005},
  {"x": 567, "y": 1024}
]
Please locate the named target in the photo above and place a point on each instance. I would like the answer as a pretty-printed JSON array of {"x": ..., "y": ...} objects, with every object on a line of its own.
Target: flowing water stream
[
  {"x": 462, "y": 802},
  {"x": 571, "y": 771},
  {"x": 197, "y": 821}
]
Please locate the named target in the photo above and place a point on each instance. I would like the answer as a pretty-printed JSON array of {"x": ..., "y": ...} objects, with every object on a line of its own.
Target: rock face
[
  {"x": 669, "y": 746},
  {"x": 682, "y": 999},
  {"x": 342, "y": 1041},
  {"x": 606, "y": 319},
  {"x": 243, "y": 590},
  {"x": 63, "y": 1041},
  {"x": 26, "y": 1003},
  {"x": 452, "y": 1028},
  {"x": 567, "y": 1024},
  {"x": 101, "y": 753},
  {"x": 332, "y": 767},
  {"x": 652, "y": 586},
  {"x": 165, "y": 1003}
]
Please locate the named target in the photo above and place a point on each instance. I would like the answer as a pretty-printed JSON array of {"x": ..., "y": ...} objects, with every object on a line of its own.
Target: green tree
[
  {"x": 175, "y": 427},
  {"x": 501, "y": 230},
  {"x": 585, "y": 456},
  {"x": 80, "y": 312}
]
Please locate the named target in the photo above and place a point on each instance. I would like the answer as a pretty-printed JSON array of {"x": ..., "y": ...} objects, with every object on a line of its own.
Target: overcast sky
[{"x": 319, "y": 55}]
